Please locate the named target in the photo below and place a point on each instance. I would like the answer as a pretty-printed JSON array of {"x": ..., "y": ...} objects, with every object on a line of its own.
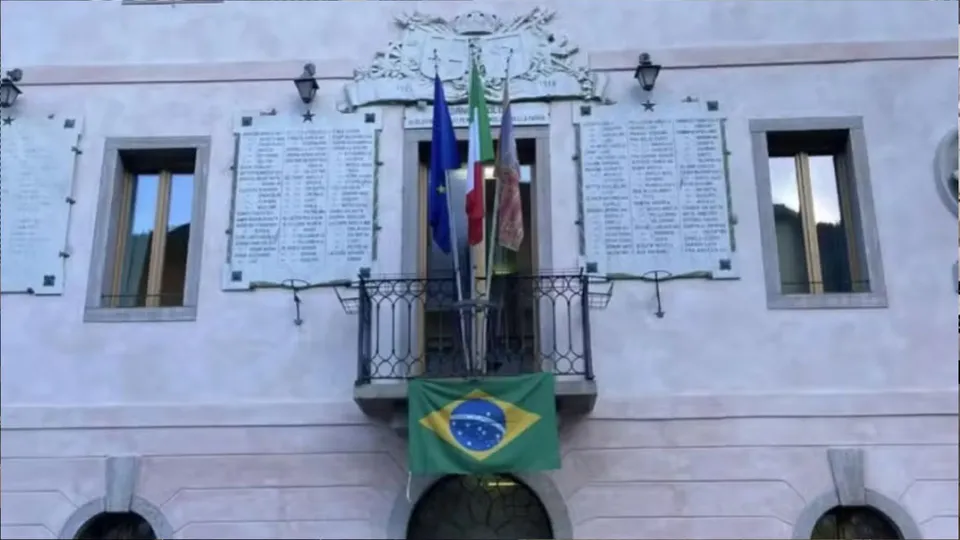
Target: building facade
[{"x": 181, "y": 359}]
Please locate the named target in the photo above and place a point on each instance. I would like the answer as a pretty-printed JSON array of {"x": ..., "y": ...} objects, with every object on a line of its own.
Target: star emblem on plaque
[
  {"x": 543, "y": 64},
  {"x": 39, "y": 158}
]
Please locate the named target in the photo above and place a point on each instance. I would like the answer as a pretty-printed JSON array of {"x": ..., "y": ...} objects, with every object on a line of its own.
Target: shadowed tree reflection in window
[
  {"x": 851, "y": 522},
  {"x": 817, "y": 221},
  {"x": 117, "y": 526}
]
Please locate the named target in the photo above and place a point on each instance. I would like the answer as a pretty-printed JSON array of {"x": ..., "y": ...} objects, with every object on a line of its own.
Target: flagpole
[
  {"x": 494, "y": 225},
  {"x": 477, "y": 253},
  {"x": 454, "y": 246}
]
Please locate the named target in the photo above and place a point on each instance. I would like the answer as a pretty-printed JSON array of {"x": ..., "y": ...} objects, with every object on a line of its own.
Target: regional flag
[
  {"x": 489, "y": 425},
  {"x": 510, "y": 210}
]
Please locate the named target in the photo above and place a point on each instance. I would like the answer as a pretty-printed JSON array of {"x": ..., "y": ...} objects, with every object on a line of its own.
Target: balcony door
[{"x": 504, "y": 338}]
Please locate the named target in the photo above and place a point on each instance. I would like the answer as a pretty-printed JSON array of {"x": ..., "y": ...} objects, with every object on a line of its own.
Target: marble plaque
[
  {"x": 524, "y": 114},
  {"x": 37, "y": 160},
  {"x": 654, "y": 191},
  {"x": 304, "y": 205}
]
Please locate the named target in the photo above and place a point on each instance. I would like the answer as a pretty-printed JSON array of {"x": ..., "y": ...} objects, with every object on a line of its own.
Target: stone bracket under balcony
[{"x": 384, "y": 400}]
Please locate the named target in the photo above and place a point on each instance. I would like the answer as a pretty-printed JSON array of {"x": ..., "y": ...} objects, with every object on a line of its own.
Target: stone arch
[
  {"x": 849, "y": 490},
  {"x": 539, "y": 483},
  {"x": 945, "y": 164},
  {"x": 815, "y": 509},
  {"x": 145, "y": 509}
]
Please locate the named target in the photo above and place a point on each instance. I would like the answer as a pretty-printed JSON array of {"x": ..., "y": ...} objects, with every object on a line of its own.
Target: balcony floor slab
[{"x": 383, "y": 399}]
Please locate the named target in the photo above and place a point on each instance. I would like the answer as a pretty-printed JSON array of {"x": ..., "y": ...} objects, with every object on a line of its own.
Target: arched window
[
  {"x": 117, "y": 526},
  {"x": 851, "y": 522},
  {"x": 488, "y": 506}
]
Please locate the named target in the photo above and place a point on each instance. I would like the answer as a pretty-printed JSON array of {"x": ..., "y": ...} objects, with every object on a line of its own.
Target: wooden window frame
[
  {"x": 158, "y": 242},
  {"x": 846, "y": 199},
  {"x": 109, "y": 233},
  {"x": 866, "y": 246}
]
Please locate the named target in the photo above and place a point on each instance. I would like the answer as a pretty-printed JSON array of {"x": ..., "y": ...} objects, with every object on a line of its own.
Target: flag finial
[
  {"x": 506, "y": 74},
  {"x": 436, "y": 63}
]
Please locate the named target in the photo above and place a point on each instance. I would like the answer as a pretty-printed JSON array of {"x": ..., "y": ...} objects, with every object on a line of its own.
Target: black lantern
[
  {"x": 307, "y": 83},
  {"x": 646, "y": 73},
  {"x": 8, "y": 88}
]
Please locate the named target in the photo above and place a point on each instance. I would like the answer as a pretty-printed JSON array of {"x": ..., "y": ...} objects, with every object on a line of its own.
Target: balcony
[{"x": 416, "y": 327}]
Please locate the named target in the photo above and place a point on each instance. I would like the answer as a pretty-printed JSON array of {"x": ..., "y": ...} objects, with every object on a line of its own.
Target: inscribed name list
[
  {"x": 655, "y": 195},
  {"x": 303, "y": 207},
  {"x": 36, "y": 179}
]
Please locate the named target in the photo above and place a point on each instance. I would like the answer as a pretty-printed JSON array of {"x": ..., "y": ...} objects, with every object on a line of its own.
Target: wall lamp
[
  {"x": 8, "y": 88},
  {"x": 307, "y": 83},
  {"x": 646, "y": 73}
]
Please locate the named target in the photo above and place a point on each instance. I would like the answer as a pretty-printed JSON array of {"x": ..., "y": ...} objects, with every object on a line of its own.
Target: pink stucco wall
[{"x": 711, "y": 422}]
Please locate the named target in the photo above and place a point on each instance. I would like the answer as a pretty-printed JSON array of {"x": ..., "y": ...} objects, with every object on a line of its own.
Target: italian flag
[{"x": 479, "y": 153}]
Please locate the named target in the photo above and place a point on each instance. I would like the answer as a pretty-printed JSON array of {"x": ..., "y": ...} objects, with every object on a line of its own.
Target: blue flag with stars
[
  {"x": 443, "y": 158},
  {"x": 488, "y": 425}
]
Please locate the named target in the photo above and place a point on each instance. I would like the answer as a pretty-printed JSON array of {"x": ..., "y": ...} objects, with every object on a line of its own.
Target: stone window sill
[
  {"x": 827, "y": 301},
  {"x": 149, "y": 314}
]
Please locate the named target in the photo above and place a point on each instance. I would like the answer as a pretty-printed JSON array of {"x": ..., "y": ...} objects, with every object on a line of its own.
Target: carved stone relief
[{"x": 541, "y": 63}]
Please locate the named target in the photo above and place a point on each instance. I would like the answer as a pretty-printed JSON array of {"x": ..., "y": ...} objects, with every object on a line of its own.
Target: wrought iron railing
[{"x": 410, "y": 327}]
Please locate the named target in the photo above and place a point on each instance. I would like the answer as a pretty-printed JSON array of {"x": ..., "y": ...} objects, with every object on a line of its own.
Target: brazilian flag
[{"x": 488, "y": 425}]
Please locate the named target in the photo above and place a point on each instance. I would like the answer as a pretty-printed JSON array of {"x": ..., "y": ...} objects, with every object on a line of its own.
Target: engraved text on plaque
[
  {"x": 654, "y": 193},
  {"x": 36, "y": 180},
  {"x": 304, "y": 200}
]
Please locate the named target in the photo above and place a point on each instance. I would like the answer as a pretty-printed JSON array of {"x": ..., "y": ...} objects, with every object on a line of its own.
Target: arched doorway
[
  {"x": 116, "y": 526},
  {"x": 479, "y": 507},
  {"x": 850, "y": 522}
]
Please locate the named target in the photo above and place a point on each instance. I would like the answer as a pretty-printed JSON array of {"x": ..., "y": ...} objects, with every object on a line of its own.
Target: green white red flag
[{"x": 479, "y": 153}]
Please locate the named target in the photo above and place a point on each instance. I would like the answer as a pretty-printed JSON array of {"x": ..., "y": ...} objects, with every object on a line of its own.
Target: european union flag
[
  {"x": 491, "y": 425},
  {"x": 443, "y": 158}
]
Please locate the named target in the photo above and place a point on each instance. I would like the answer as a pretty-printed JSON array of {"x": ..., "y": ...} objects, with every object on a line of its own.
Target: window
[
  {"x": 146, "y": 253},
  {"x": 150, "y": 265},
  {"x": 818, "y": 233}
]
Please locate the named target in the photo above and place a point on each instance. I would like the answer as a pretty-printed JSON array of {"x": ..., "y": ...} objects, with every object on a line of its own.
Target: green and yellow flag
[{"x": 489, "y": 425}]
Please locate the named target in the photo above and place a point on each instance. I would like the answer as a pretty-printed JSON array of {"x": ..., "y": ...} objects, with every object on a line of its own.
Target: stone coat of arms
[{"x": 540, "y": 63}]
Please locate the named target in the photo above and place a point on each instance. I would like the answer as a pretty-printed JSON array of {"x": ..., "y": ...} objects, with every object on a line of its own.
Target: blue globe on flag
[{"x": 478, "y": 424}]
